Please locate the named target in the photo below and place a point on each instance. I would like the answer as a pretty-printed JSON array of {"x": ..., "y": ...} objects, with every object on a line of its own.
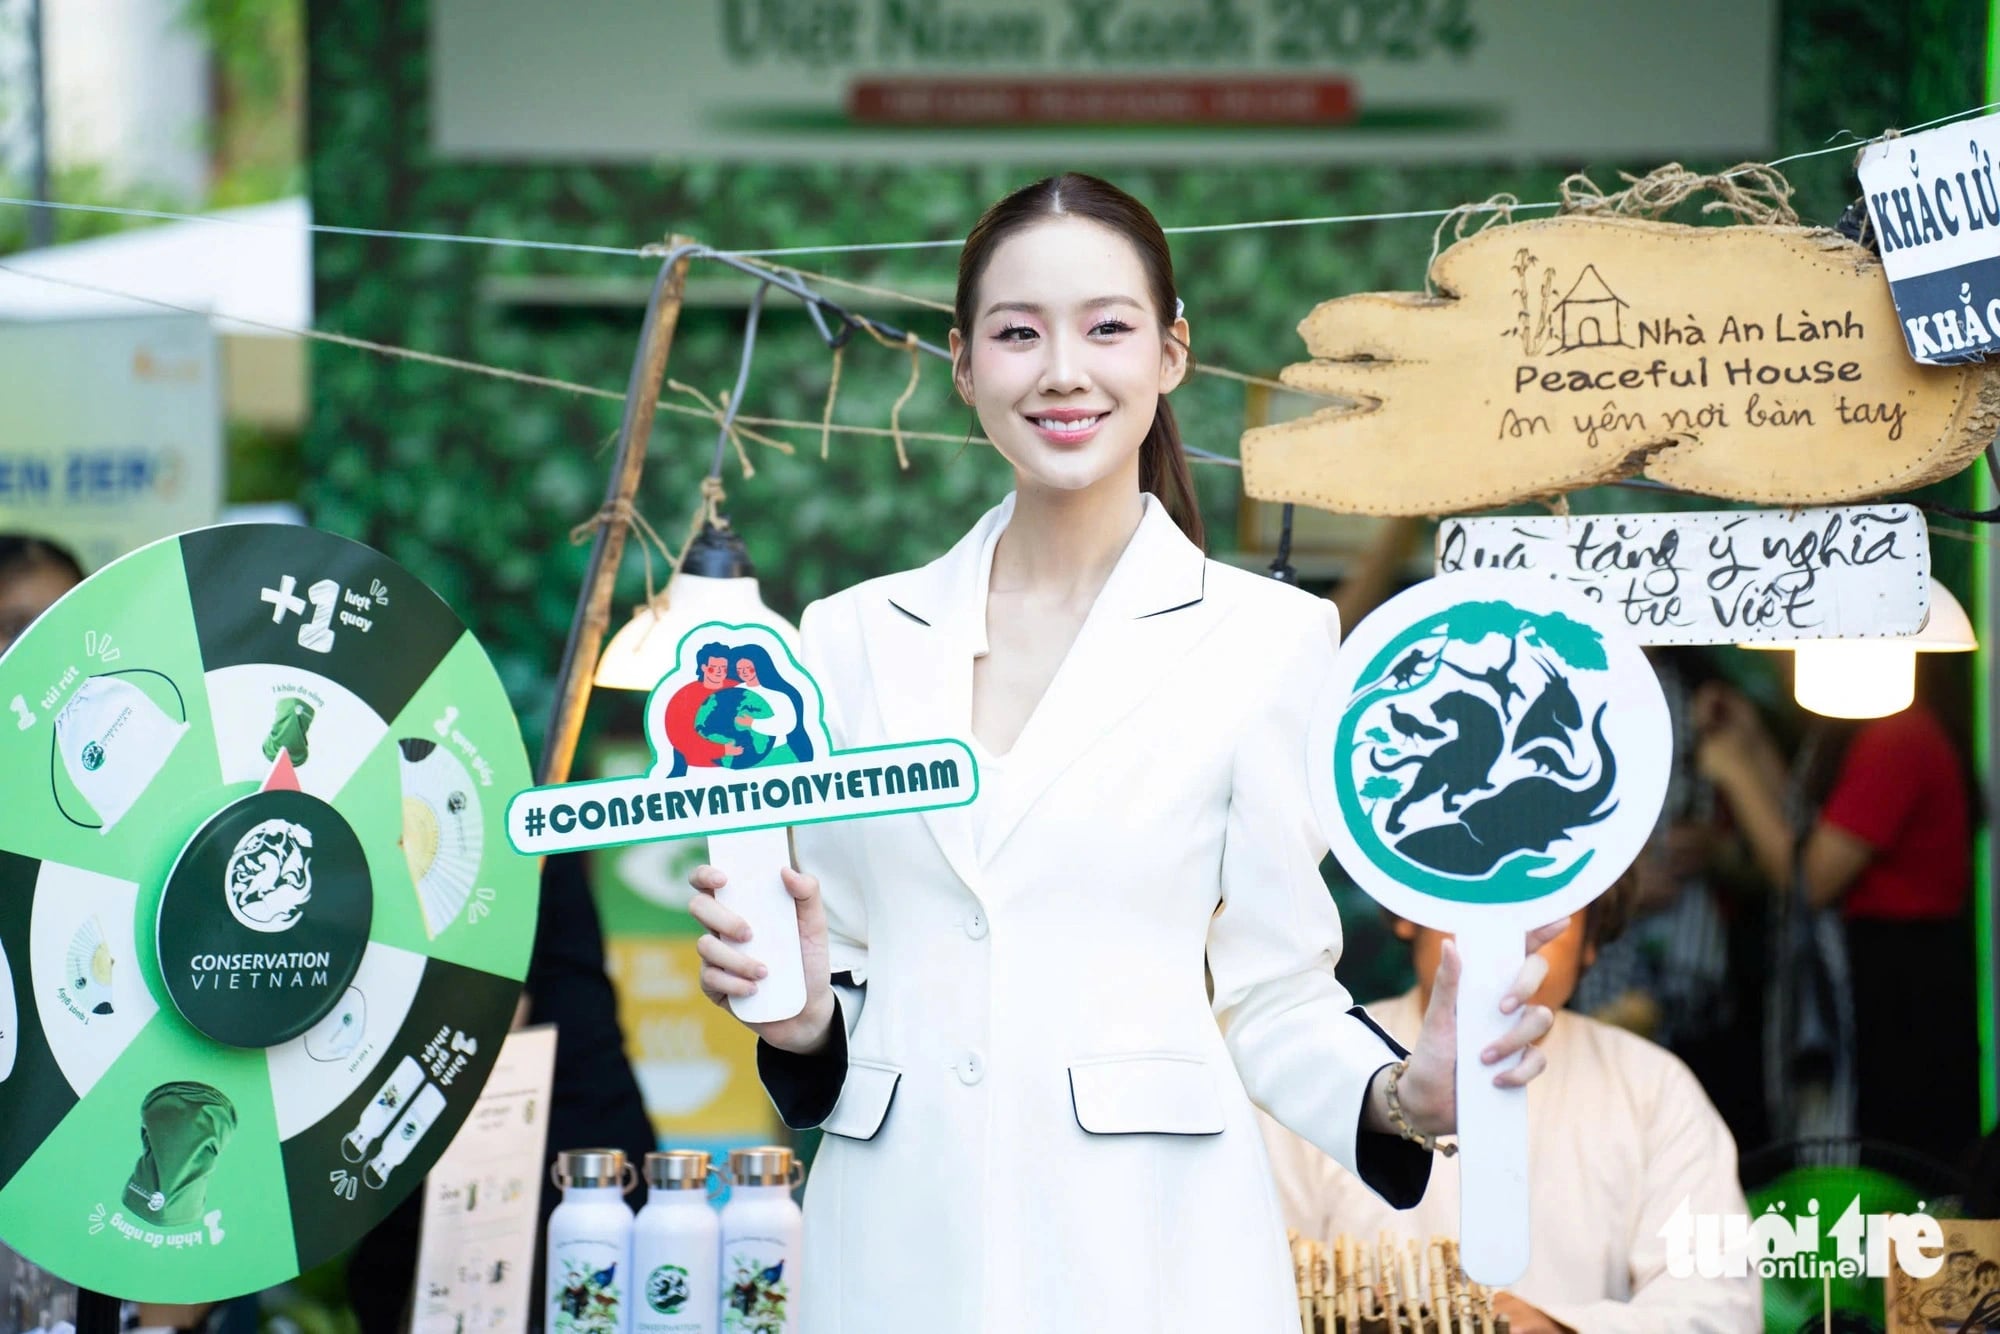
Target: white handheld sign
[
  {"x": 741, "y": 752},
  {"x": 1490, "y": 756}
]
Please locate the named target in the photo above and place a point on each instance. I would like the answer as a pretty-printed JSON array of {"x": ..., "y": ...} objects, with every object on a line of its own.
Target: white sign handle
[
  {"x": 751, "y": 861},
  {"x": 1492, "y": 1122}
]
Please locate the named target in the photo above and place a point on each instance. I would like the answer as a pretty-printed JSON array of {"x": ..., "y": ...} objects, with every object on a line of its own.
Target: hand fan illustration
[
  {"x": 89, "y": 967},
  {"x": 441, "y": 829}
]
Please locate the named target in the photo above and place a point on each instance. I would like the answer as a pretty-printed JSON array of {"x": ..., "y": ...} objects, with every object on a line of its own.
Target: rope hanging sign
[{"x": 1760, "y": 361}]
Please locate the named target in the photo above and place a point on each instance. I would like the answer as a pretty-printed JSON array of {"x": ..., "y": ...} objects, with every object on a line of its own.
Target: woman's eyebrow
[{"x": 1032, "y": 308}]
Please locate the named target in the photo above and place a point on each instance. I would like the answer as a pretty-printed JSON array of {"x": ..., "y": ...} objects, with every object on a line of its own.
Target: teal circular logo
[
  {"x": 667, "y": 1289},
  {"x": 1482, "y": 749},
  {"x": 264, "y": 919},
  {"x": 93, "y": 757}
]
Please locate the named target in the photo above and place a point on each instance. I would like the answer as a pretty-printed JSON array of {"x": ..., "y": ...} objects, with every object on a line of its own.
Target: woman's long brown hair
[{"x": 1163, "y": 465}]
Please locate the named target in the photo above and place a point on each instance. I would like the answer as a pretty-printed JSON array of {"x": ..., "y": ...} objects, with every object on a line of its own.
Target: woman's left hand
[{"x": 1428, "y": 1088}]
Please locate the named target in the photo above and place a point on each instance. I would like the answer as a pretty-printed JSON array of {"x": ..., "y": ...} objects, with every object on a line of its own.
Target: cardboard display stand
[
  {"x": 742, "y": 752},
  {"x": 1491, "y": 755},
  {"x": 261, "y": 938}
]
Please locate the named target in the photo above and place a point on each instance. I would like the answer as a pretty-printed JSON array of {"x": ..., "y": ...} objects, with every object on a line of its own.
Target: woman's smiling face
[{"x": 1066, "y": 359}]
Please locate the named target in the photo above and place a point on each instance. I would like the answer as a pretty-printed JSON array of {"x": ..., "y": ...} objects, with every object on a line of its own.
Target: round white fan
[
  {"x": 442, "y": 829},
  {"x": 89, "y": 967}
]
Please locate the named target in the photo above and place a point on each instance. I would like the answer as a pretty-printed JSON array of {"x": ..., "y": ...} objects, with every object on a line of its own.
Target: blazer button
[
  {"x": 975, "y": 926},
  {"x": 971, "y": 1069}
]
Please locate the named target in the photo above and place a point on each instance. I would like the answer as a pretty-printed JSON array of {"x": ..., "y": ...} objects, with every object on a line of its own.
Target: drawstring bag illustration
[
  {"x": 113, "y": 740},
  {"x": 288, "y": 730},
  {"x": 338, "y": 1036},
  {"x": 184, "y": 1127}
]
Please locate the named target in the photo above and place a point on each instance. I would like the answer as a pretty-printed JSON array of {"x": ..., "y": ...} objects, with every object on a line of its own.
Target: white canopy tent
[{"x": 252, "y": 263}]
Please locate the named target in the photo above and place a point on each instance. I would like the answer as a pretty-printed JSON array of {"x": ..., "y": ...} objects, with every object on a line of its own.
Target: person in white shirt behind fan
[{"x": 1620, "y": 1134}]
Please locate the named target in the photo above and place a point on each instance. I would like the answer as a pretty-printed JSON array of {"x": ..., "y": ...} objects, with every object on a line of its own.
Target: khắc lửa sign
[
  {"x": 1167, "y": 81},
  {"x": 1761, "y": 364},
  {"x": 1934, "y": 203},
  {"x": 1720, "y": 577}
]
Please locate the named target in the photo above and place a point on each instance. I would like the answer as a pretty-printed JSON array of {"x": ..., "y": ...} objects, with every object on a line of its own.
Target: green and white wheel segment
[{"x": 306, "y": 744}]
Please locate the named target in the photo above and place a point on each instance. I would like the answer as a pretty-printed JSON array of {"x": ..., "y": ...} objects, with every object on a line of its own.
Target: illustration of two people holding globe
[{"x": 739, "y": 712}]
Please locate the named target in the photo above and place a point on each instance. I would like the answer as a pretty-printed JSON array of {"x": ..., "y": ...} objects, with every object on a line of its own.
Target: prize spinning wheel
[{"x": 260, "y": 933}]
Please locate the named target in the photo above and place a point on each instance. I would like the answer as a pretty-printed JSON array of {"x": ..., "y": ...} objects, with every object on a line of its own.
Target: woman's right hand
[{"x": 727, "y": 971}]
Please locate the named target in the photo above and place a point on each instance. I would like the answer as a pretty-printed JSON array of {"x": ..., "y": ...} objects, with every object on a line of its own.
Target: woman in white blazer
[{"x": 1036, "y": 1117}]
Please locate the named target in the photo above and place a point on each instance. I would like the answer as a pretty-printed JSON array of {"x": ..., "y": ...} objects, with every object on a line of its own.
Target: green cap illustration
[
  {"x": 184, "y": 1127},
  {"x": 288, "y": 730}
]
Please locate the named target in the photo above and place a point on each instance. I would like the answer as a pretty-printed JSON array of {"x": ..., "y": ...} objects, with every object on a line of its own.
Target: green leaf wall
[{"x": 475, "y": 483}]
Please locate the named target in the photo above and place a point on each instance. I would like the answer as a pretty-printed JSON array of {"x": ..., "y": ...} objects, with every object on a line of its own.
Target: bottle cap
[
  {"x": 768, "y": 1165},
  {"x": 677, "y": 1169},
  {"x": 589, "y": 1168}
]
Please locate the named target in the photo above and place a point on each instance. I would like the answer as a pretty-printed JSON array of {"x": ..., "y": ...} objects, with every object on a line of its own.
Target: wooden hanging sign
[{"x": 1753, "y": 363}]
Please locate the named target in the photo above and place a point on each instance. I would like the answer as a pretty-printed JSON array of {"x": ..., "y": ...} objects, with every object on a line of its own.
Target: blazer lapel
[
  {"x": 1150, "y": 612},
  {"x": 921, "y": 635}
]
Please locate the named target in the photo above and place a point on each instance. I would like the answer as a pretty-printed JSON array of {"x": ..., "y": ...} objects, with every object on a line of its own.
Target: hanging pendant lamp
[
  {"x": 1873, "y": 678},
  {"x": 716, "y": 582}
]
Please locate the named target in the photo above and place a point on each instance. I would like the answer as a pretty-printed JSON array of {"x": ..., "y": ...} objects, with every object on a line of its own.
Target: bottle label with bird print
[
  {"x": 756, "y": 1289},
  {"x": 587, "y": 1286}
]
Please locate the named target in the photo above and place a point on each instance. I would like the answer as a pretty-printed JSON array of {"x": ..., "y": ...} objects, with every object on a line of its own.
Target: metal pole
[
  {"x": 41, "y": 221},
  {"x": 593, "y": 604}
]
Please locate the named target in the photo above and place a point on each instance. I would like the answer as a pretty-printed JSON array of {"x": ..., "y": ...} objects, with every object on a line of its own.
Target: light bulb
[
  {"x": 1873, "y": 678},
  {"x": 716, "y": 582},
  {"x": 1855, "y": 678}
]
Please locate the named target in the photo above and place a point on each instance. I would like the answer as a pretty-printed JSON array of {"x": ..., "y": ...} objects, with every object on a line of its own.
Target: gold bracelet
[{"x": 1429, "y": 1143}]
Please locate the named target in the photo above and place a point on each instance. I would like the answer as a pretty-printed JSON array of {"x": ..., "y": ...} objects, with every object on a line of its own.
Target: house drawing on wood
[{"x": 1592, "y": 315}]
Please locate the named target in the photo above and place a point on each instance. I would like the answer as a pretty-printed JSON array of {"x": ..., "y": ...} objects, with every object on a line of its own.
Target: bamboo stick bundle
[
  {"x": 1396, "y": 1286},
  {"x": 1302, "y": 1279},
  {"x": 1322, "y": 1301},
  {"x": 1411, "y": 1263},
  {"x": 1439, "y": 1284},
  {"x": 1391, "y": 1274}
]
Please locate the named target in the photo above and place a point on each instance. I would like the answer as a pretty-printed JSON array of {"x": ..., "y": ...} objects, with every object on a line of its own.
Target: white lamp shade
[
  {"x": 1949, "y": 629},
  {"x": 645, "y": 649}
]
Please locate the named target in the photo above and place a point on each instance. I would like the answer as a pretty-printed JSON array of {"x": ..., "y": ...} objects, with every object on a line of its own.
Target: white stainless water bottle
[
  {"x": 590, "y": 1245},
  {"x": 763, "y": 1232},
  {"x": 676, "y": 1249}
]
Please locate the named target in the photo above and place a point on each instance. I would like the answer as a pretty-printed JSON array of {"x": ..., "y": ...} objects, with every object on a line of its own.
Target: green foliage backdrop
[{"x": 475, "y": 483}]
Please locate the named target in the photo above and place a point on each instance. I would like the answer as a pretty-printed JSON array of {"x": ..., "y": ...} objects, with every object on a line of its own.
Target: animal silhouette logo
[
  {"x": 270, "y": 876},
  {"x": 1478, "y": 756}
]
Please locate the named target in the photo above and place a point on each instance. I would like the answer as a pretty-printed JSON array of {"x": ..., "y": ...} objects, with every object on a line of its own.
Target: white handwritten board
[
  {"x": 1721, "y": 577},
  {"x": 1934, "y": 204}
]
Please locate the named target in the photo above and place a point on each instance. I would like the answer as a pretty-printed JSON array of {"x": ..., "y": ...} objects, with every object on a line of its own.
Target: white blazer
[{"x": 1041, "y": 1124}]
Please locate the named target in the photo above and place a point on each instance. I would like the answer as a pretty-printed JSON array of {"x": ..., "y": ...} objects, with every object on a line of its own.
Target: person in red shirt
[
  {"x": 1891, "y": 847},
  {"x": 684, "y": 704}
]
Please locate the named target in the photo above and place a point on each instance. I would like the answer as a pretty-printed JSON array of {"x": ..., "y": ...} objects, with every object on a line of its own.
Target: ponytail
[{"x": 1163, "y": 470}]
